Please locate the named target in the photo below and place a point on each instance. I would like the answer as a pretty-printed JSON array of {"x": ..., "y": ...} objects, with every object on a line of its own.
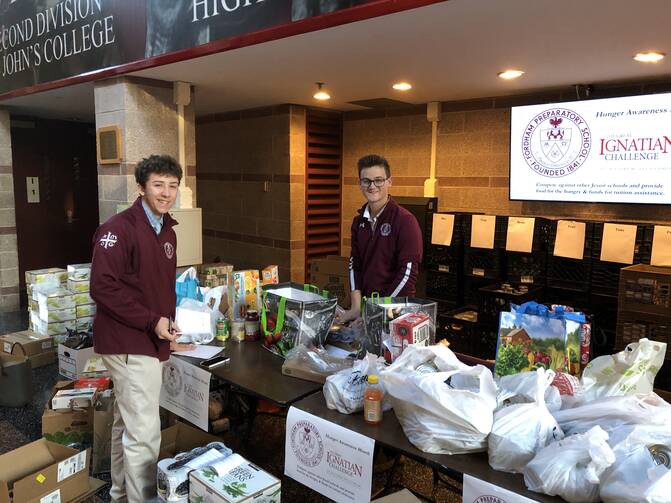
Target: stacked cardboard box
[
  {"x": 79, "y": 277},
  {"x": 216, "y": 275}
]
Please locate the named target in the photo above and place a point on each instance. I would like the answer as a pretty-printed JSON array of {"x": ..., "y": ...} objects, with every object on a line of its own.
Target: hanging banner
[
  {"x": 46, "y": 40},
  {"x": 479, "y": 491},
  {"x": 328, "y": 458},
  {"x": 186, "y": 391}
]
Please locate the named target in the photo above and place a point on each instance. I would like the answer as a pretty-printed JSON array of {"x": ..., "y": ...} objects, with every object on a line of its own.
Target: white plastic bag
[
  {"x": 444, "y": 412},
  {"x": 625, "y": 373},
  {"x": 636, "y": 476},
  {"x": 344, "y": 391},
  {"x": 194, "y": 318},
  {"x": 570, "y": 468},
  {"x": 614, "y": 411},
  {"x": 521, "y": 388},
  {"x": 520, "y": 430}
]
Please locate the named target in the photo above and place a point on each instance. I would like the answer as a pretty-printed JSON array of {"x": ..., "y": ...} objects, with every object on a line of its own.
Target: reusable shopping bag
[
  {"x": 295, "y": 314},
  {"x": 378, "y": 313}
]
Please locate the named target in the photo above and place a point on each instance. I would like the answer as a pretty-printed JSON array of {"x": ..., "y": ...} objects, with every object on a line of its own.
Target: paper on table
[
  {"x": 570, "y": 240},
  {"x": 617, "y": 243},
  {"x": 520, "y": 237},
  {"x": 661, "y": 246},
  {"x": 442, "y": 230},
  {"x": 202, "y": 351},
  {"x": 482, "y": 231}
]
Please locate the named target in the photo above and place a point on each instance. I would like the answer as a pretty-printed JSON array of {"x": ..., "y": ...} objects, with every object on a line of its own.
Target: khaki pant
[{"x": 136, "y": 431}]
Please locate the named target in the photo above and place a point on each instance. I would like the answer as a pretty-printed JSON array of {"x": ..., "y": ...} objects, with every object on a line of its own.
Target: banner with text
[
  {"x": 328, "y": 458},
  {"x": 46, "y": 40}
]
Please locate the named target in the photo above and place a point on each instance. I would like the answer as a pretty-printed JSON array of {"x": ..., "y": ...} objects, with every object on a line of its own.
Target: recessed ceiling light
[
  {"x": 510, "y": 74},
  {"x": 649, "y": 57},
  {"x": 402, "y": 86},
  {"x": 321, "y": 95}
]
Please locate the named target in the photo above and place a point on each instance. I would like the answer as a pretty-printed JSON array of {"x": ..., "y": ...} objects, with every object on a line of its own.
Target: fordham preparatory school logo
[
  {"x": 306, "y": 443},
  {"x": 556, "y": 142},
  {"x": 172, "y": 379},
  {"x": 169, "y": 250},
  {"x": 489, "y": 499},
  {"x": 385, "y": 230}
]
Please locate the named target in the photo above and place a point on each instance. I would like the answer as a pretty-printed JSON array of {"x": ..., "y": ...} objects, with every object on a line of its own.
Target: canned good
[
  {"x": 237, "y": 331},
  {"x": 223, "y": 331},
  {"x": 661, "y": 454},
  {"x": 426, "y": 368}
]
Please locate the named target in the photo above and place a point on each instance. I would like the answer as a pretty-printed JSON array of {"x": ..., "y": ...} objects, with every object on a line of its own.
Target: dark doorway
[{"x": 57, "y": 230}]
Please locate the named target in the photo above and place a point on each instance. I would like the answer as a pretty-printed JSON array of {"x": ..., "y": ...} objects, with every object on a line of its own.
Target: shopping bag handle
[{"x": 280, "y": 316}]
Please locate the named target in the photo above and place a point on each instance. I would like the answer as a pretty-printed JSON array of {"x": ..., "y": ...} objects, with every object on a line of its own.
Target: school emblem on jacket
[
  {"x": 108, "y": 240},
  {"x": 169, "y": 250},
  {"x": 385, "y": 230}
]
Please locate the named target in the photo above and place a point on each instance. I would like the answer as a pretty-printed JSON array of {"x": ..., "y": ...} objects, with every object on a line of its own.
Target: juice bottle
[{"x": 372, "y": 401}]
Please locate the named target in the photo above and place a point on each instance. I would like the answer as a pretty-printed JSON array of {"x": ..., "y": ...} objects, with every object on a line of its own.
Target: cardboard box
[
  {"x": 42, "y": 468},
  {"x": 83, "y": 298},
  {"x": 79, "y": 286},
  {"x": 85, "y": 310},
  {"x": 217, "y": 269},
  {"x": 27, "y": 343},
  {"x": 103, "y": 418},
  {"x": 332, "y": 274},
  {"x": 55, "y": 329},
  {"x": 38, "y": 276},
  {"x": 54, "y": 299},
  {"x": 217, "y": 483},
  {"x": 73, "y": 399},
  {"x": 270, "y": 275},
  {"x": 411, "y": 328},
  {"x": 181, "y": 437},
  {"x": 79, "y": 272},
  {"x": 218, "y": 274},
  {"x": 58, "y": 315},
  {"x": 39, "y": 349},
  {"x": 72, "y": 362},
  {"x": 247, "y": 292},
  {"x": 67, "y": 426}
]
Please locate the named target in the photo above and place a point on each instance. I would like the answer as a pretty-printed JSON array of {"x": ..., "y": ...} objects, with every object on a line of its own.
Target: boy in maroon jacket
[
  {"x": 133, "y": 284},
  {"x": 386, "y": 240}
]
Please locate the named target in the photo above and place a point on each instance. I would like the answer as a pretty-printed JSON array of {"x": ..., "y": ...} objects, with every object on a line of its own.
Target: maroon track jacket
[
  {"x": 386, "y": 260},
  {"x": 133, "y": 283}
]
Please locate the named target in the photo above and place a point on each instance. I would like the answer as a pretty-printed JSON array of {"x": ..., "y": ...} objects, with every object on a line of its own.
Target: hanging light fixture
[{"x": 321, "y": 95}]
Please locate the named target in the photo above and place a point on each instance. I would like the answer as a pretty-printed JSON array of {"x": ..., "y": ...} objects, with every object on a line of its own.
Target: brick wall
[
  {"x": 472, "y": 159},
  {"x": 238, "y": 153},
  {"x": 9, "y": 263}
]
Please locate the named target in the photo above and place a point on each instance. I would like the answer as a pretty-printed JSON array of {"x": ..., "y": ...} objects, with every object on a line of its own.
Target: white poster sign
[
  {"x": 186, "y": 391},
  {"x": 479, "y": 491},
  {"x": 328, "y": 458}
]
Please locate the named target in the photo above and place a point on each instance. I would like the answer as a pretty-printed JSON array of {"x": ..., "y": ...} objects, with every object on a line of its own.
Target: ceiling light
[
  {"x": 649, "y": 57},
  {"x": 402, "y": 86},
  {"x": 510, "y": 74},
  {"x": 321, "y": 95}
]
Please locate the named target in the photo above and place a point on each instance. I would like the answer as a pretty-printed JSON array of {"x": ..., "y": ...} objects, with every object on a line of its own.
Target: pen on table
[{"x": 170, "y": 325}]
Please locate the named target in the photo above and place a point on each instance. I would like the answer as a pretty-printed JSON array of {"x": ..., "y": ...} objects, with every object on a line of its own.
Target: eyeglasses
[{"x": 366, "y": 182}]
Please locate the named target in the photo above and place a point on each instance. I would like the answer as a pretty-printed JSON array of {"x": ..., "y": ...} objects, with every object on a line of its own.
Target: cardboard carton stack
[
  {"x": 51, "y": 305},
  {"x": 79, "y": 277},
  {"x": 216, "y": 275},
  {"x": 39, "y": 349}
]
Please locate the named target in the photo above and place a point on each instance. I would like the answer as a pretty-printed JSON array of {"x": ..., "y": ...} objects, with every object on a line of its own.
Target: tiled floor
[{"x": 21, "y": 425}]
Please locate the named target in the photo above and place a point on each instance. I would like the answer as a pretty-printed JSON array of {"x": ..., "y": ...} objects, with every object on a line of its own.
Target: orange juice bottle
[{"x": 372, "y": 401}]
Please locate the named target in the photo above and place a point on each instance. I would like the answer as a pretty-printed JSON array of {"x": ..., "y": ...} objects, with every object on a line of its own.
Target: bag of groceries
[
  {"x": 295, "y": 314},
  {"x": 344, "y": 390},
  {"x": 444, "y": 406}
]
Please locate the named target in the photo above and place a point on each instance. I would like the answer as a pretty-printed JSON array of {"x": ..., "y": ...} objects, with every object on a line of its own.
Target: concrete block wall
[
  {"x": 241, "y": 155},
  {"x": 472, "y": 159},
  {"x": 144, "y": 111},
  {"x": 9, "y": 260}
]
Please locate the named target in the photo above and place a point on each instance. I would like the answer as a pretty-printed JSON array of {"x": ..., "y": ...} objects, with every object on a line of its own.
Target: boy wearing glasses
[{"x": 386, "y": 240}]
